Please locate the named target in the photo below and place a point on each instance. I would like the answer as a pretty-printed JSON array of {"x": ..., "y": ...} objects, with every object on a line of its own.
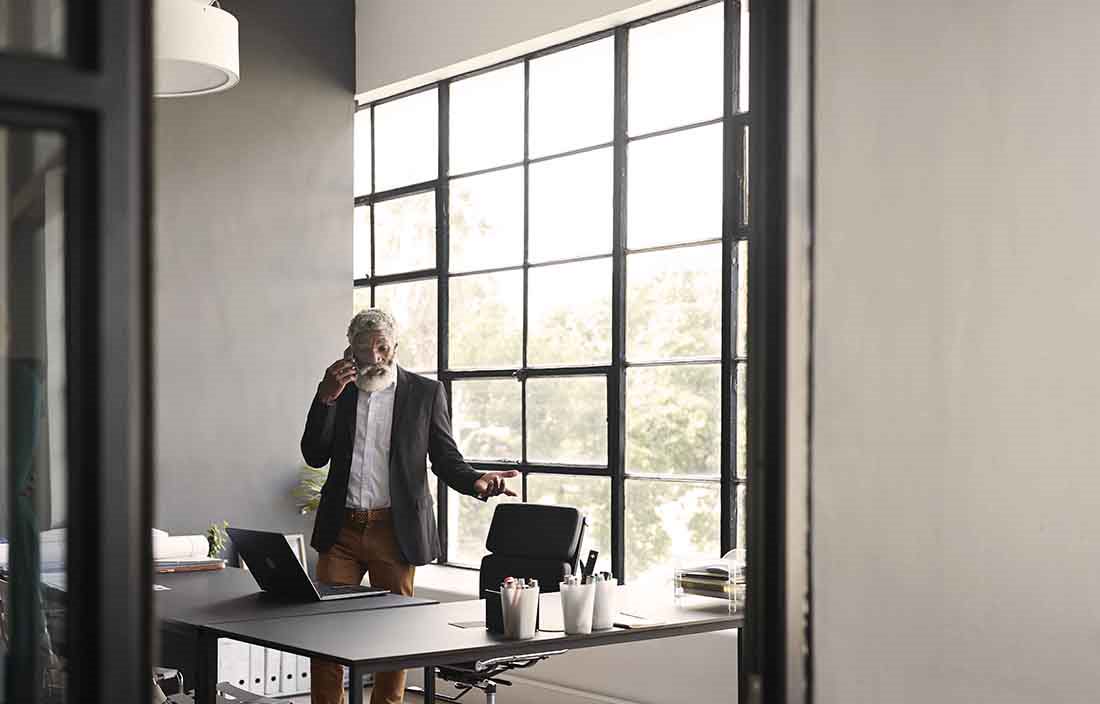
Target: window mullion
[
  {"x": 616, "y": 381},
  {"x": 730, "y": 218},
  {"x": 526, "y": 270},
  {"x": 442, "y": 264}
]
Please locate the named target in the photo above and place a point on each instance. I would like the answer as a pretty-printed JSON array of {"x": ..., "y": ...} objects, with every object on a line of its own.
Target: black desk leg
[
  {"x": 429, "y": 685},
  {"x": 355, "y": 685},
  {"x": 206, "y": 668}
]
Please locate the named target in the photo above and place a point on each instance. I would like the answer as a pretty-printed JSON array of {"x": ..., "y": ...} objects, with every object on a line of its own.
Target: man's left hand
[{"x": 492, "y": 484}]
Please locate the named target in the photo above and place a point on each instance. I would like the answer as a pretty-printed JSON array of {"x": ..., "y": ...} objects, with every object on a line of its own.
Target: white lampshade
[{"x": 194, "y": 48}]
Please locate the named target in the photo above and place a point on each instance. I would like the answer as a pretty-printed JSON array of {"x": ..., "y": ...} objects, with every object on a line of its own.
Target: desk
[
  {"x": 382, "y": 639},
  {"x": 195, "y": 602}
]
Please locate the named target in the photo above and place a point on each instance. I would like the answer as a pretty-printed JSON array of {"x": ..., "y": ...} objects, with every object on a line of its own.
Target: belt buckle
[{"x": 360, "y": 518}]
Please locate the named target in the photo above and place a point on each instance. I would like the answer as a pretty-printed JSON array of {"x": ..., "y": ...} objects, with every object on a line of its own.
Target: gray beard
[{"x": 376, "y": 382}]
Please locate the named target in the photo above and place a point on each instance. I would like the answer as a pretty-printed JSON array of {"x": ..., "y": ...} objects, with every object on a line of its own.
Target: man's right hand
[{"x": 336, "y": 378}]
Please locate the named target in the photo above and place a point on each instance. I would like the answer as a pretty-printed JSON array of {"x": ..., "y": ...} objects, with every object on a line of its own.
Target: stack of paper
[
  {"x": 717, "y": 579},
  {"x": 182, "y": 553}
]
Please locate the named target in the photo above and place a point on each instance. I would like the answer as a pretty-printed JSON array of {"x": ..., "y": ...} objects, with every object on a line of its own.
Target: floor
[{"x": 410, "y": 698}]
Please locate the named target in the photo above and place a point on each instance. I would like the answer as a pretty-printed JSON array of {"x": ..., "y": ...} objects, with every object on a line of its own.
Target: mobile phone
[{"x": 350, "y": 356}]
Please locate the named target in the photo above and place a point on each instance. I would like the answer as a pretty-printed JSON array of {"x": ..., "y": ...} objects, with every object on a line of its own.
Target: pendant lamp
[{"x": 195, "y": 48}]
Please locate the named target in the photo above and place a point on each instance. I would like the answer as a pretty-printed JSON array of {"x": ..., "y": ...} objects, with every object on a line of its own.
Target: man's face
[{"x": 374, "y": 353}]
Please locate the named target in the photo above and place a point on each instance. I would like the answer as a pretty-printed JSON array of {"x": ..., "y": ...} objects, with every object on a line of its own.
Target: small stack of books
[
  {"x": 194, "y": 564},
  {"x": 182, "y": 553}
]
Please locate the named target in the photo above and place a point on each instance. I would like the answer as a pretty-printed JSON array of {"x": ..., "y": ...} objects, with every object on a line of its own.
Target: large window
[{"x": 563, "y": 240}]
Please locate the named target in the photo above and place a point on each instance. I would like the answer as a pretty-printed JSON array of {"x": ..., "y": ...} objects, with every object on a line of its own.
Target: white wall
[
  {"x": 956, "y": 499},
  {"x": 402, "y": 44}
]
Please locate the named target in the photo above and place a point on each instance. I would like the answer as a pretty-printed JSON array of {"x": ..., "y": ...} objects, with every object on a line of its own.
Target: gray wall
[
  {"x": 253, "y": 265},
  {"x": 956, "y": 499}
]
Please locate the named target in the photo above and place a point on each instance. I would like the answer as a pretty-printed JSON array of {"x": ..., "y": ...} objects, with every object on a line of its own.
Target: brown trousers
[{"x": 363, "y": 547}]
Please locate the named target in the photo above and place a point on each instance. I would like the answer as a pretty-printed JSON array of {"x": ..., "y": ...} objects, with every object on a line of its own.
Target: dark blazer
[{"x": 421, "y": 428}]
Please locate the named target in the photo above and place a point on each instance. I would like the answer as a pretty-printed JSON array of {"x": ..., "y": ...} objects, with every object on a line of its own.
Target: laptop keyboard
[{"x": 324, "y": 589}]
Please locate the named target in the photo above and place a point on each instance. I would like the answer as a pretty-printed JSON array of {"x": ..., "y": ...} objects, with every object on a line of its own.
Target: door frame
[
  {"x": 776, "y": 646},
  {"x": 100, "y": 97}
]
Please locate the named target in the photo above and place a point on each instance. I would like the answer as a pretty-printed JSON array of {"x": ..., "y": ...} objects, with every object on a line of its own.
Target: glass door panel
[{"x": 33, "y": 511}]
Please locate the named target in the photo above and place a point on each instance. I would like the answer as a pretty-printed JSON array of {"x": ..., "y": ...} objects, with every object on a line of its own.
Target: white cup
[
  {"x": 603, "y": 612},
  {"x": 576, "y": 607},
  {"x": 520, "y": 609}
]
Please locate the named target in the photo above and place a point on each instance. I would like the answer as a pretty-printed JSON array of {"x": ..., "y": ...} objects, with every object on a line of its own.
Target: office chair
[{"x": 525, "y": 540}]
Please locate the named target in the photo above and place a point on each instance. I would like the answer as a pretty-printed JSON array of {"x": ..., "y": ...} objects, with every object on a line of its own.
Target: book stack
[{"x": 182, "y": 553}]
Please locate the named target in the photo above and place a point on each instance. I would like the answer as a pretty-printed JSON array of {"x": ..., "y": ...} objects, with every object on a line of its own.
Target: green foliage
[
  {"x": 217, "y": 538},
  {"x": 307, "y": 493}
]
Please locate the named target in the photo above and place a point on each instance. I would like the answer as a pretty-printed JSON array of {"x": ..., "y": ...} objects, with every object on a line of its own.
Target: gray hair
[{"x": 371, "y": 320}]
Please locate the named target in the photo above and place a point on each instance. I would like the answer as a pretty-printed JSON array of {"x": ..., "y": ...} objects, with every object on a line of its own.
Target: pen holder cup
[
  {"x": 577, "y": 601},
  {"x": 520, "y": 611},
  {"x": 603, "y": 610}
]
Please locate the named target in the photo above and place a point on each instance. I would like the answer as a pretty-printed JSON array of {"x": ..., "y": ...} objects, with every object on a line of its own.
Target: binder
[
  {"x": 256, "y": 669},
  {"x": 274, "y": 663},
  {"x": 288, "y": 684},
  {"x": 232, "y": 662},
  {"x": 303, "y": 673}
]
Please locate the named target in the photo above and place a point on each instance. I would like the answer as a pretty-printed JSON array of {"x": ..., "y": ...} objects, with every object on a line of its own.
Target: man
[{"x": 374, "y": 423}]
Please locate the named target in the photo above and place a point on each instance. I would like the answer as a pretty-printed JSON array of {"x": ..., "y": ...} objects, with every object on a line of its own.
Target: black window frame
[{"x": 736, "y": 227}]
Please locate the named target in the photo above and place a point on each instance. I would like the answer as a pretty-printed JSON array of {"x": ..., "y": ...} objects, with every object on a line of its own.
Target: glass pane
[
  {"x": 742, "y": 346},
  {"x": 742, "y": 517},
  {"x": 743, "y": 68},
  {"x": 674, "y": 188},
  {"x": 404, "y": 234},
  {"x": 360, "y": 300},
  {"x": 487, "y": 120},
  {"x": 486, "y": 418},
  {"x": 572, "y": 98},
  {"x": 362, "y": 154},
  {"x": 33, "y": 420},
  {"x": 569, "y": 314},
  {"x": 675, "y": 72},
  {"x": 741, "y": 466},
  {"x": 406, "y": 138},
  {"x": 667, "y": 523},
  {"x": 567, "y": 420},
  {"x": 486, "y": 325},
  {"x": 413, "y": 306},
  {"x": 468, "y": 524},
  {"x": 673, "y": 419},
  {"x": 673, "y": 308},
  {"x": 33, "y": 27},
  {"x": 590, "y": 495},
  {"x": 746, "y": 202},
  {"x": 570, "y": 201},
  {"x": 361, "y": 235},
  {"x": 487, "y": 220}
]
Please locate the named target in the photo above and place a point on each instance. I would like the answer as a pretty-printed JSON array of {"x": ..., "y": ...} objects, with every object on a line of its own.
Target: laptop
[{"x": 277, "y": 570}]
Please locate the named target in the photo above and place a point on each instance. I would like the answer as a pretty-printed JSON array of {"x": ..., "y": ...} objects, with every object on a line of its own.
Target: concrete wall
[
  {"x": 402, "y": 44},
  {"x": 955, "y": 493},
  {"x": 253, "y": 265}
]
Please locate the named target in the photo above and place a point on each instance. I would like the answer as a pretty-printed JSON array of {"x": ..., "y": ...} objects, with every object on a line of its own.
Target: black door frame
[
  {"x": 775, "y": 647},
  {"x": 100, "y": 98}
]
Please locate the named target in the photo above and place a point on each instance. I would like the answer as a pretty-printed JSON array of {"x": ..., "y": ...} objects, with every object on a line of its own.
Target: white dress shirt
[{"x": 369, "y": 482}]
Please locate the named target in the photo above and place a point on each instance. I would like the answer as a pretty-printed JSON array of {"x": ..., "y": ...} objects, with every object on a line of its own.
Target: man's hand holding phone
[{"x": 337, "y": 376}]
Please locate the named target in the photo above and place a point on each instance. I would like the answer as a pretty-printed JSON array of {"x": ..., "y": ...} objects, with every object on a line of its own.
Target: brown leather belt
[{"x": 361, "y": 517}]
